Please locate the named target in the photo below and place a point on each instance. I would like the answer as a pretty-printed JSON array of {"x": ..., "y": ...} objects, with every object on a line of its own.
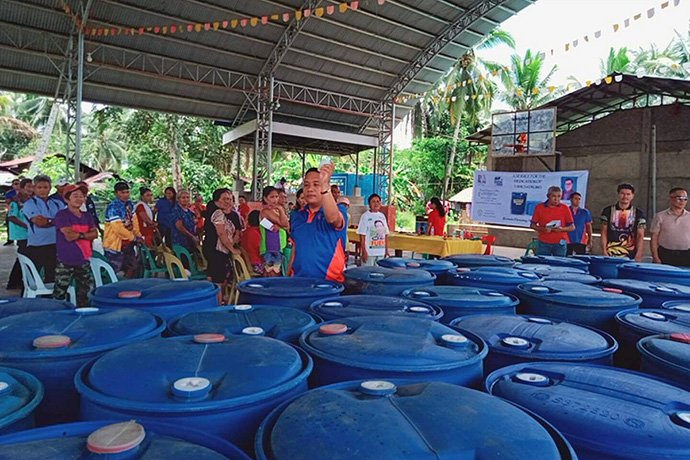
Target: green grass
[{"x": 405, "y": 221}]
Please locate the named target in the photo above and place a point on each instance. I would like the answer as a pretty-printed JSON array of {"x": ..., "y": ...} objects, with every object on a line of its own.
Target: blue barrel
[
  {"x": 653, "y": 293},
  {"x": 396, "y": 419},
  {"x": 384, "y": 281},
  {"x": 606, "y": 413},
  {"x": 280, "y": 323},
  {"x": 502, "y": 279},
  {"x": 546, "y": 270},
  {"x": 576, "y": 303},
  {"x": 582, "y": 278},
  {"x": 668, "y": 357},
  {"x": 557, "y": 261},
  {"x": 120, "y": 440},
  {"x": 15, "y": 305},
  {"x": 605, "y": 267},
  {"x": 654, "y": 272},
  {"x": 436, "y": 266},
  {"x": 220, "y": 385},
  {"x": 163, "y": 297},
  {"x": 634, "y": 325},
  {"x": 480, "y": 260},
  {"x": 287, "y": 292},
  {"x": 53, "y": 345},
  {"x": 514, "y": 339},
  {"x": 20, "y": 393},
  {"x": 456, "y": 301},
  {"x": 373, "y": 305},
  {"x": 370, "y": 347},
  {"x": 677, "y": 305}
]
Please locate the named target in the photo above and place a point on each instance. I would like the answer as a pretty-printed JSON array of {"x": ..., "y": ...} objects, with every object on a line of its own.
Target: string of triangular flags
[
  {"x": 218, "y": 24},
  {"x": 437, "y": 93}
]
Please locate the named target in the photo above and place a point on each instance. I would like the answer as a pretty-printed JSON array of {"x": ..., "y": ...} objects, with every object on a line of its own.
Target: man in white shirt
[
  {"x": 373, "y": 233},
  {"x": 671, "y": 231}
]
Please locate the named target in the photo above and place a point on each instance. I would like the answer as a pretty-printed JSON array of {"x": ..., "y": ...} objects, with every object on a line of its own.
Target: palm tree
[
  {"x": 668, "y": 62},
  {"x": 524, "y": 87},
  {"x": 616, "y": 62},
  {"x": 470, "y": 101}
]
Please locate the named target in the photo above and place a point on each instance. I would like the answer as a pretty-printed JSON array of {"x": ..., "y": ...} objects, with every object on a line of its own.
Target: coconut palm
[
  {"x": 524, "y": 85},
  {"x": 616, "y": 62}
]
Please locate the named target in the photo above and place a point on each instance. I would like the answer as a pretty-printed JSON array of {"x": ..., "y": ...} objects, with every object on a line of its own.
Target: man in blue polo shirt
[
  {"x": 319, "y": 230},
  {"x": 40, "y": 211},
  {"x": 581, "y": 237}
]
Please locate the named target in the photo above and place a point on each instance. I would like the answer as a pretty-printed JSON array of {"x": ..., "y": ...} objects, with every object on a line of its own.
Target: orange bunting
[{"x": 342, "y": 7}]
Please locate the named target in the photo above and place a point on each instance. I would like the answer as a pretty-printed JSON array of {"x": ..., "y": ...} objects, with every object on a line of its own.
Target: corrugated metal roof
[
  {"x": 590, "y": 103},
  {"x": 360, "y": 53}
]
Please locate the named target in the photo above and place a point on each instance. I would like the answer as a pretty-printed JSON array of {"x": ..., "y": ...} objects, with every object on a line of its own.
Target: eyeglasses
[{"x": 680, "y": 198}]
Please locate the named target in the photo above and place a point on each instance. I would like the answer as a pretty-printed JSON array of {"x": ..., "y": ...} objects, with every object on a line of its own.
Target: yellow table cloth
[{"x": 423, "y": 244}]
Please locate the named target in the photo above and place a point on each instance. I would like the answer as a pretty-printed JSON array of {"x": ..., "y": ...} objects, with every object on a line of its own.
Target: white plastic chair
[
  {"x": 97, "y": 267},
  {"x": 34, "y": 285}
]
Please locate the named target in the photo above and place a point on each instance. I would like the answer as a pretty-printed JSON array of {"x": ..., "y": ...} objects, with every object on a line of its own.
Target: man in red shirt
[
  {"x": 552, "y": 220},
  {"x": 244, "y": 208}
]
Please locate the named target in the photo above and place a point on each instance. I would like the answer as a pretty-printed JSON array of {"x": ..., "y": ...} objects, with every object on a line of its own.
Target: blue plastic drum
[
  {"x": 546, "y": 270},
  {"x": 287, "y": 291},
  {"x": 576, "y": 303},
  {"x": 514, "y": 339},
  {"x": 677, "y": 305},
  {"x": 20, "y": 394},
  {"x": 582, "y": 278},
  {"x": 480, "y": 260},
  {"x": 633, "y": 325},
  {"x": 654, "y": 272},
  {"x": 220, "y": 385},
  {"x": 606, "y": 413},
  {"x": 668, "y": 357},
  {"x": 502, "y": 279},
  {"x": 456, "y": 301},
  {"x": 130, "y": 440},
  {"x": 384, "y": 281},
  {"x": 654, "y": 293},
  {"x": 163, "y": 297},
  {"x": 604, "y": 267},
  {"x": 280, "y": 323},
  {"x": 373, "y": 305},
  {"x": 53, "y": 345},
  {"x": 557, "y": 261},
  {"x": 393, "y": 419},
  {"x": 438, "y": 267},
  {"x": 15, "y": 305},
  {"x": 372, "y": 347}
]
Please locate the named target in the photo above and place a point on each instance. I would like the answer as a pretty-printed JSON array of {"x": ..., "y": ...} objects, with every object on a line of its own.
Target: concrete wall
[{"x": 616, "y": 149}]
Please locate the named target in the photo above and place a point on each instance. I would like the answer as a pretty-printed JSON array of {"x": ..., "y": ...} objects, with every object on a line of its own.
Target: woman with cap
[{"x": 75, "y": 232}]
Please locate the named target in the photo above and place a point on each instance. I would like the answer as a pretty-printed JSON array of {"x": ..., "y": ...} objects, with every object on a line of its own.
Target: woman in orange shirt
[{"x": 437, "y": 218}]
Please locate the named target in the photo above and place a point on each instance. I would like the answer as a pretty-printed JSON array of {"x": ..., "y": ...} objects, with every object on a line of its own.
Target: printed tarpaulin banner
[{"x": 509, "y": 198}]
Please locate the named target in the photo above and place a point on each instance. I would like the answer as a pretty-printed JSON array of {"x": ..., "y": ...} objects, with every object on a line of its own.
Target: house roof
[{"x": 596, "y": 101}]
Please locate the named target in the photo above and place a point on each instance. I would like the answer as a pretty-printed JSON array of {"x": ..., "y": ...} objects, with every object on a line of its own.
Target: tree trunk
[
  {"x": 424, "y": 120},
  {"x": 175, "y": 155},
  {"x": 45, "y": 139},
  {"x": 451, "y": 160}
]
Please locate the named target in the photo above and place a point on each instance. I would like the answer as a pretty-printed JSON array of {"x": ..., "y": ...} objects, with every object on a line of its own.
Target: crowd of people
[
  {"x": 567, "y": 229},
  {"x": 56, "y": 232}
]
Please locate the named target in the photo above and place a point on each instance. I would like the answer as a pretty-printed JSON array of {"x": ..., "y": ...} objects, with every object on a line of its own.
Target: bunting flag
[
  {"x": 625, "y": 23},
  {"x": 650, "y": 13},
  {"x": 233, "y": 23}
]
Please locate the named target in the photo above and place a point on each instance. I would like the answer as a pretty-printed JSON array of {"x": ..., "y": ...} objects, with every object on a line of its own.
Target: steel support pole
[
  {"x": 80, "y": 95},
  {"x": 390, "y": 158},
  {"x": 653, "y": 169}
]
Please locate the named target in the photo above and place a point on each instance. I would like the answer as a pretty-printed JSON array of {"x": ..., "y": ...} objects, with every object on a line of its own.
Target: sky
[{"x": 550, "y": 24}]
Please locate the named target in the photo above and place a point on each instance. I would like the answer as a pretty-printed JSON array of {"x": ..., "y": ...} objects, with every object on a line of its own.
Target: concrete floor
[{"x": 8, "y": 255}]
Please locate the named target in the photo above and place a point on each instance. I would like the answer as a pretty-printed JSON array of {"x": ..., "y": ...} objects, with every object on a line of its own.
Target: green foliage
[
  {"x": 419, "y": 170},
  {"x": 617, "y": 61}
]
